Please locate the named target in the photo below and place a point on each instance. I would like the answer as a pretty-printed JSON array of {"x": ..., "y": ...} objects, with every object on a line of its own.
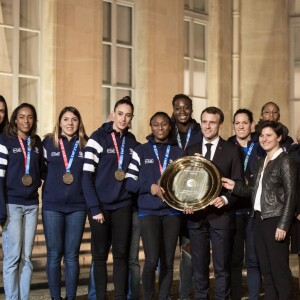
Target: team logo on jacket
[
  {"x": 16, "y": 150},
  {"x": 110, "y": 150},
  {"x": 36, "y": 150},
  {"x": 80, "y": 154},
  {"x": 149, "y": 161},
  {"x": 130, "y": 151},
  {"x": 55, "y": 153}
]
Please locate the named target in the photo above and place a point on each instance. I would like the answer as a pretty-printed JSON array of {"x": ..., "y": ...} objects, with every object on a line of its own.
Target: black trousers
[
  {"x": 115, "y": 232},
  {"x": 159, "y": 236},
  {"x": 273, "y": 257},
  {"x": 221, "y": 242}
]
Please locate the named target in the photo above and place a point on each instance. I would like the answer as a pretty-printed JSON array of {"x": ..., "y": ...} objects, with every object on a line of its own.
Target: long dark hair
[
  {"x": 4, "y": 123},
  {"x": 12, "y": 129}
]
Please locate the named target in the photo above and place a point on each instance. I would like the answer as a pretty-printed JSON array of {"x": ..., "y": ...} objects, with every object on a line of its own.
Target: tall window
[
  {"x": 295, "y": 62},
  {"x": 20, "y": 50},
  {"x": 117, "y": 52},
  {"x": 195, "y": 51}
]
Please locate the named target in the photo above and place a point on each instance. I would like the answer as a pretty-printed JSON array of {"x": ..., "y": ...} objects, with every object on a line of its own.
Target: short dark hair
[
  {"x": 160, "y": 113},
  {"x": 124, "y": 100},
  {"x": 182, "y": 96},
  {"x": 244, "y": 111},
  {"x": 276, "y": 126},
  {"x": 215, "y": 111},
  {"x": 270, "y": 102}
]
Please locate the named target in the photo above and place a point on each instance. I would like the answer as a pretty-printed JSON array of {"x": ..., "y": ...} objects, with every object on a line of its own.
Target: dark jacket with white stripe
[
  {"x": 101, "y": 189},
  {"x": 144, "y": 171},
  {"x": 12, "y": 169},
  {"x": 58, "y": 196}
]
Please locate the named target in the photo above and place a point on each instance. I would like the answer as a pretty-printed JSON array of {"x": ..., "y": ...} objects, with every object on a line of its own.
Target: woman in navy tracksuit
[
  {"x": 160, "y": 224},
  {"x": 106, "y": 160},
  {"x": 64, "y": 207},
  {"x": 20, "y": 178}
]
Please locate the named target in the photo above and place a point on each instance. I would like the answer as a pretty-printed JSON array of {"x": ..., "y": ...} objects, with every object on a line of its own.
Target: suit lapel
[{"x": 219, "y": 155}]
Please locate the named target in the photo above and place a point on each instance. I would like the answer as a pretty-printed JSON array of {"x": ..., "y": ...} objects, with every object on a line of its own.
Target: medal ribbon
[
  {"x": 247, "y": 156},
  {"x": 26, "y": 156},
  {"x": 63, "y": 151},
  {"x": 120, "y": 156},
  {"x": 162, "y": 168},
  {"x": 187, "y": 137}
]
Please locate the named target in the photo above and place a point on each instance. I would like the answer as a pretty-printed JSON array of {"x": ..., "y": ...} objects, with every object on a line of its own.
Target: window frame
[
  {"x": 113, "y": 87},
  {"x": 15, "y": 70},
  {"x": 202, "y": 19}
]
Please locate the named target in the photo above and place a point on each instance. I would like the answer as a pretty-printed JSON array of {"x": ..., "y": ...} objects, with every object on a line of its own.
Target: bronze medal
[
  {"x": 120, "y": 175},
  {"x": 68, "y": 178},
  {"x": 27, "y": 180}
]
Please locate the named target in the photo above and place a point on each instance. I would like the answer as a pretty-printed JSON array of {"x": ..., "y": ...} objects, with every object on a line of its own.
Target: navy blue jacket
[
  {"x": 196, "y": 134},
  {"x": 101, "y": 189},
  {"x": 256, "y": 153},
  {"x": 12, "y": 169},
  {"x": 58, "y": 196},
  {"x": 144, "y": 171}
]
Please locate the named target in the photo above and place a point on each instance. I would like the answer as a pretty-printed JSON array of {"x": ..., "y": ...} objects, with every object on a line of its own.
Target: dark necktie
[{"x": 208, "y": 152}]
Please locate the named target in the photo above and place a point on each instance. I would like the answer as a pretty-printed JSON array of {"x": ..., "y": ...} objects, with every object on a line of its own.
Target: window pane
[
  {"x": 297, "y": 81},
  {"x": 297, "y": 43},
  {"x": 6, "y": 87},
  {"x": 199, "y": 78},
  {"x": 28, "y": 91},
  {"x": 199, "y": 5},
  {"x": 186, "y": 4},
  {"x": 295, "y": 6},
  {"x": 6, "y": 45},
  {"x": 106, "y": 104},
  {"x": 199, "y": 41},
  {"x": 123, "y": 93},
  {"x": 186, "y": 38},
  {"x": 30, "y": 14},
  {"x": 124, "y": 25},
  {"x": 29, "y": 53},
  {"x": 106, "y": 21},
  {"x": 106, "y": 64},
  {"x": 186, "y": 77},
  {"x": 6, "y": 16},
  {"x": 123, "y": 66}
]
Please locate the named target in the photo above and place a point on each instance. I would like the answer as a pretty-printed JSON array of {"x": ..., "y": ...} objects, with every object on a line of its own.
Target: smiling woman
[
  {"x": 106, "y": 160},
  {"x": 64, "y": 209},
  {"x": 273, "y": 195},
  {"x": 20, "y": 178},
  {"x": 159, "y": 223}
]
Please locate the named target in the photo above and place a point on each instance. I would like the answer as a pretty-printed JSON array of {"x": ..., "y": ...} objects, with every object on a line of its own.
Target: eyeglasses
[{"x": 275, "y": 113}]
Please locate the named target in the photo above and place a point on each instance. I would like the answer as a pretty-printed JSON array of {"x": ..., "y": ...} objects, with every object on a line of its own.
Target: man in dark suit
[{"x": 215, "y": 223}]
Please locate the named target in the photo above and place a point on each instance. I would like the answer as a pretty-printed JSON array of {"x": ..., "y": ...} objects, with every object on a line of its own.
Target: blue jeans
[
  {"x": 17, "y": 241},
  {"x": 134, "y": 266},
  {"x": 63, "y": 232},
  {"x": 243, "y": 247}
]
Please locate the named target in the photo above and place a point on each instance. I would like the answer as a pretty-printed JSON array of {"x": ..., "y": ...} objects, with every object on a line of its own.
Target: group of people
[{"x": 113, "y": 180}]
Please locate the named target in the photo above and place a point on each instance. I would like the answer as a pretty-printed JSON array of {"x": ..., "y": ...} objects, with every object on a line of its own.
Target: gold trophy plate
[{"x": 191, "y": 182}]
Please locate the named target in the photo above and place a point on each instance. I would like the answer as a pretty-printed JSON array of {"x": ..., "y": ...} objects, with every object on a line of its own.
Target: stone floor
[{"x": 42, "y": 293}]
